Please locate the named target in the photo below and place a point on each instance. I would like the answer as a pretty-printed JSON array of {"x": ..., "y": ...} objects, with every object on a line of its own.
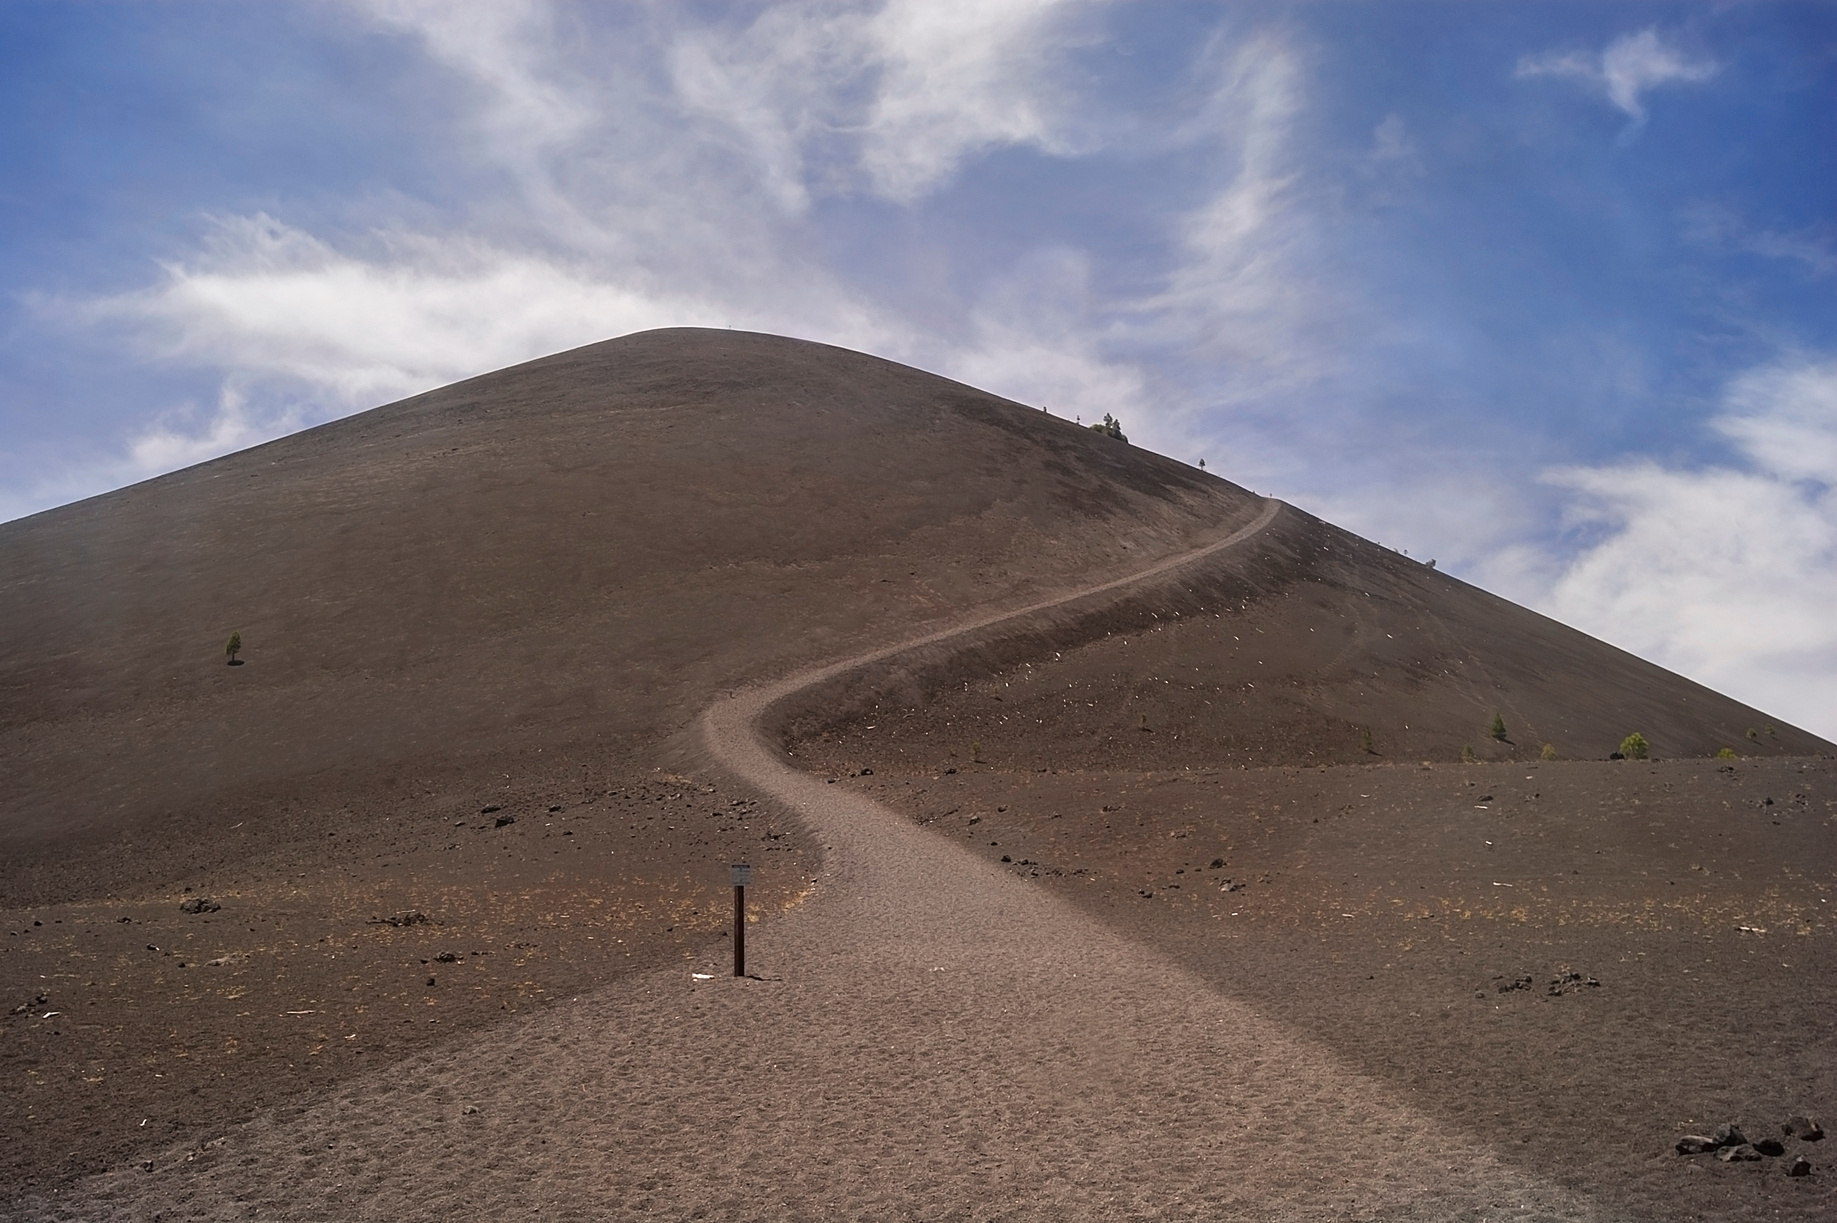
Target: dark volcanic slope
[
  {"x": 575, "y": 550},
  {"x": 506, "y": 594},
  {"x": 1315, "y": 647}
]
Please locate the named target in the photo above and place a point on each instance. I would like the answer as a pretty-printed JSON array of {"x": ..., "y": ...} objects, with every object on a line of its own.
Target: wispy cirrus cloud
[{"x": 1625, "y": 71}]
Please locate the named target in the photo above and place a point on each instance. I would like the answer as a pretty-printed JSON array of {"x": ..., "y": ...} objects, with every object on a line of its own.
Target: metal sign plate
[{"x": 741, "y": 875}]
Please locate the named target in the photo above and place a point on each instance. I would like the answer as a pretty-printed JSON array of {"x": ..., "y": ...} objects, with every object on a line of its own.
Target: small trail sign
[{"x": 741, "y": 874}]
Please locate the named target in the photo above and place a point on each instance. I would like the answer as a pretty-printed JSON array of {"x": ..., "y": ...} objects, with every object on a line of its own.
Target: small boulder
[
  {"x": 1806, "y": 1129},
  {"x": 1693, "y": 1144},
  {"x": 199, "y": 904},
  {"x": 1742, "y": 1153},
  {"x": 1800, "y": 1166},
  {"x": 447, "y": 957},
  {"x": 1728, "y": 1134},
  {"x": 503, "y": 820},
  {"x": 1769, "y": 1146}
]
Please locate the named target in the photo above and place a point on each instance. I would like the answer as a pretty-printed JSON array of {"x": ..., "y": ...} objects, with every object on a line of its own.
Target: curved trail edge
[{"x": 731, "y": 726}]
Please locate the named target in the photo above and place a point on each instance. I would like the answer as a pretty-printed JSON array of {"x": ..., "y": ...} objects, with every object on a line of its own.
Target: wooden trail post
[{"x": 741, "y": 874}]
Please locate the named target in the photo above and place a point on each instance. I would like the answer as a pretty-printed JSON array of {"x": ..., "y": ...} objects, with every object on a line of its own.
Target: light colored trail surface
[{"x": 933, "y": 1039}]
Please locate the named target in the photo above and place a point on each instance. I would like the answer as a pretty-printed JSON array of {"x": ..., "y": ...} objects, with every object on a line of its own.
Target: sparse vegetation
[
  {"x": 1111, "y": 427},
  {"x": 1635, "y": 747},
  {"x": 1549, "y": 752},
  {"x": 1752, "y": 733},
  {"x": 233, "y": 647},
  {"x": 1142, "y": 721},
  {"x": 1498, "y": 727},
  {"x": 1727, "y": 753},
  {"x": 1467, "y": 756},
  {"x": 1365, "y": 742},
  {"x": 976, "y": 751}
]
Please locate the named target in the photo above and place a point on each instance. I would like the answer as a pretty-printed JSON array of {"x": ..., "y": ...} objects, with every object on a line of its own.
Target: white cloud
[
  {"x": 268, "y": 300},
  {"x": 897, "y": 95},
  {"x": 1631, "y": 66},
  {"x": 1725, "y": 574},
  {"x": 1243, "y": 292}
]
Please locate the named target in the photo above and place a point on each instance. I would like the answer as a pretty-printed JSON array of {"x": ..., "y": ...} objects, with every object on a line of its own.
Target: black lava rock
[
  {"x": 1769, "y": 1146},
  {"x": 1800, "y": 1166},
  {"x": 502, "y": 820},
  {"x": 1728, "y": 1134},
  {"x": 1693, "y": 1144},
  {"x": 1803, "y": 1128}
]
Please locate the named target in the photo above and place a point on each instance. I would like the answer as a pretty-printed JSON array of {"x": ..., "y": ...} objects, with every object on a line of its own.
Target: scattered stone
[
  {"x": 1696, "y": 1144},
  {"x": 1728, "y": 1134},
  {"x": 469, "y": 1109},
  {"x": 502, "y": 820},
  {"x": 1804, "y": 1128},
  {"x": 867, "y": 772},
  {"x": 554, "y": 809},
  {"x": 1769, "y": 1146},
  {"x": 430, "y": 980},
  {"x": 1217, "y": 863},
  {"x": 447, "y": 957},
  {"x": 199, "y": 904},
  {"x": 949, "y": 771},
  {"x": 1516, "y": 983},
  {"x": 1800, "y": 1166},
  {"x": 1232, "y": 885},
  {"x": 494, "y": 808},
  {"x": 1006, "y": 858},
  {"x": 1738, "y": 1154},
  {"x": 414, "y": 918},
  {"x": 1570, "y": 982}
]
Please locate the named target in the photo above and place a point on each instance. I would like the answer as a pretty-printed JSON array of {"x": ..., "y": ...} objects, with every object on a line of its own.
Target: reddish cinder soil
[{"x": 524, "y": 591}]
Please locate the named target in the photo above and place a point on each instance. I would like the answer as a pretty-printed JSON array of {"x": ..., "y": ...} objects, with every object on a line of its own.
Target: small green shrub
[
  {"x": 1727, "y": 753},
  {"x": 1467, "y": 756},
  {"x": 976, "y": 750},
  {"x": 233, "y": 647},
  {"x": 1752, "y": 733},
  {"x": 1111, "y": 427},
  {"x": 1549, "y": 752},
  {"x": 1498, "y": 727},
  {"x": 1635, "y": 747},
  {"x": 1365, "y": 742}
]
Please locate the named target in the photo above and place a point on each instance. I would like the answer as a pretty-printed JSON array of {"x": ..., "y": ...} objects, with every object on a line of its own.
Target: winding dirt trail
[{"x": 931, "y": 1038}]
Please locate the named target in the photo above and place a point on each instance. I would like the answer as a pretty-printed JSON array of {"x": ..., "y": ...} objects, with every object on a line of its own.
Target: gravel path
[{"x": 927, "y": 1038}]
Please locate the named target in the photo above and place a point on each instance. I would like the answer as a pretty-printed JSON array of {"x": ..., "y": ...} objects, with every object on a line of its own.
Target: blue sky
[{"x": 1545, "y": 291}]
